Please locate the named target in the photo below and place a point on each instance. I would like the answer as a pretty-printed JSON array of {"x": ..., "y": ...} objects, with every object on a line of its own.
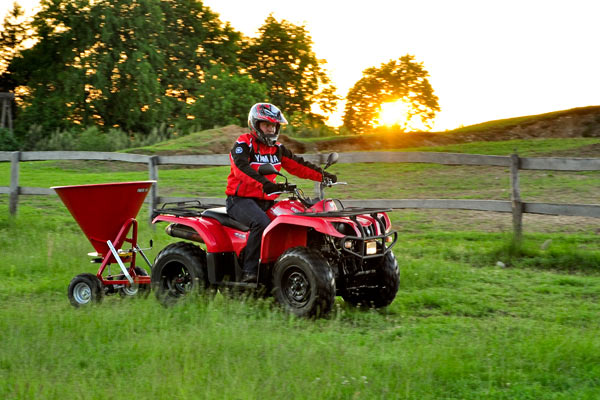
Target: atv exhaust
[{"x": 183, "y": 232}]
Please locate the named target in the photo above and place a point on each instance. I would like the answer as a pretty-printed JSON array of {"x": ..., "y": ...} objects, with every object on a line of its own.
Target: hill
[{"x": 577, "y": 122}]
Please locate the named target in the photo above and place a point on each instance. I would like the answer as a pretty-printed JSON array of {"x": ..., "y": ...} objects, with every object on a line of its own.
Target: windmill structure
[{"x": 6, "y": 120}]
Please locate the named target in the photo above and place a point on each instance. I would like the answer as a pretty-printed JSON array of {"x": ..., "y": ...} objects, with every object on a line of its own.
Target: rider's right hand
[
  {"x": 271, "y": 187},
  {"x": 329, "y": 176}
]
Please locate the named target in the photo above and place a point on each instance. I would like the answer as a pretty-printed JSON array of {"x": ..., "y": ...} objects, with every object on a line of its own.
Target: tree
[
  {"x": 132, "y": 64},
  {"x": 224, "y": 98},
  {"x": 402, "y": 79},
  {"x": 282, "y": 59},
  {"x": 12, "y": 35}
]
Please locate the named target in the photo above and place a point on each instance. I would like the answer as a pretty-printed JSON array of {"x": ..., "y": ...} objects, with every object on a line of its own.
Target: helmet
[{"x": 268, "y": 113}]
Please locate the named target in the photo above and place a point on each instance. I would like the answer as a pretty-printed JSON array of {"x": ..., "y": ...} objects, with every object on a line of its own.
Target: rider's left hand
[{"x": 332, "y": 177}]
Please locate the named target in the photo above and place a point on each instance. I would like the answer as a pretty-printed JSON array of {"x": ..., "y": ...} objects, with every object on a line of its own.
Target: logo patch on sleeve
[{"x": 238, "y": 150}]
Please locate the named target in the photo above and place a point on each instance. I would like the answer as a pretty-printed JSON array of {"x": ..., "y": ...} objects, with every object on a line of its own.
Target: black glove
[
  {"x": 330, "y": 176},
  {"x": 271, "y": 187}
]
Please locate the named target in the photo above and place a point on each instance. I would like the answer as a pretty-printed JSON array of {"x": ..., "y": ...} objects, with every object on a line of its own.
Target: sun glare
[
  {"x": 393, "y": 113},
  {"x": 396, "y": 113}
]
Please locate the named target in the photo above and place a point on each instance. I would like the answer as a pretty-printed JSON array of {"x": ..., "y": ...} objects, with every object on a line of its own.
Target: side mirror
[
  {"x": 332, "y": 159},
  {"x": 267, "y": 169}
]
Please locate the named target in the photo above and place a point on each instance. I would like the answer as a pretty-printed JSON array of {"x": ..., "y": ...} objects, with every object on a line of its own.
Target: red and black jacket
[{"x": 248, "y": 154}]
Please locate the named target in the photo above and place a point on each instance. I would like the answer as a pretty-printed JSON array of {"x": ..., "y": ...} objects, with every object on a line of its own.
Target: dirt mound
[{"x": 232, "y": 132}]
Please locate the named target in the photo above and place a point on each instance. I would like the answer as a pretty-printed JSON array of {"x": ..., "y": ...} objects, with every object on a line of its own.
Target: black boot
[{"x": 249, "y": 277}]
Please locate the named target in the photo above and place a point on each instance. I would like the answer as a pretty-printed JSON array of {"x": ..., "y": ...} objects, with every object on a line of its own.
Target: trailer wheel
[
  {"x": 85, "y": 289},
  {"x": 387, "y": 281},
  {"x": 303, "y": 282},
  {"x": 139, "y": 290},
  {"x": 179, "y": 270}
]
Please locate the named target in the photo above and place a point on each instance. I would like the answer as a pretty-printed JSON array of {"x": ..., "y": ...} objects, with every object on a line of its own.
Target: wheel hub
[
  {"x": 298, "y": 288},
  {"x": 82, "y": 293}
]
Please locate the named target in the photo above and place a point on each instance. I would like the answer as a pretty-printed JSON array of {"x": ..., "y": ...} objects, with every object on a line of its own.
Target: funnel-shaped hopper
[{"x": 101, "y": 210}]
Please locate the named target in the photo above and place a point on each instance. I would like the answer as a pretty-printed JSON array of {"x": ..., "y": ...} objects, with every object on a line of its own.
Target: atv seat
[{"x": 220, "y": 214}]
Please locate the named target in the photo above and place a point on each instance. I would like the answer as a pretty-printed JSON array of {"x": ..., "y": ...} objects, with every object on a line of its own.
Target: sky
[{"x": 486, "y": 59}]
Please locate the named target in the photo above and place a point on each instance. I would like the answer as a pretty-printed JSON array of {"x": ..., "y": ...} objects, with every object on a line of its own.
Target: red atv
[{"x": 313, "y": 250}]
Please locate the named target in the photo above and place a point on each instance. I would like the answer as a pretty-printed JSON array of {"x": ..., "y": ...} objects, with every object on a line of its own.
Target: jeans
[{"x": 250, "y": 212}]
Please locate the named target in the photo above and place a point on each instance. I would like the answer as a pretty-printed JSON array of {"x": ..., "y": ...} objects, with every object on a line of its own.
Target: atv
[{"x": 313, "y": 250}]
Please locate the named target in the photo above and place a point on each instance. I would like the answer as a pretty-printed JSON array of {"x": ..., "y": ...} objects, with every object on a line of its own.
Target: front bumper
[{"x": 369, "y": 247}]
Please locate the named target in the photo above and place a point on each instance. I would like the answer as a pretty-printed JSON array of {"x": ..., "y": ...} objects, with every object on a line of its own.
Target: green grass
[
  {"x": 460, "y": 327},
  {"x": 474, "y": 317}
]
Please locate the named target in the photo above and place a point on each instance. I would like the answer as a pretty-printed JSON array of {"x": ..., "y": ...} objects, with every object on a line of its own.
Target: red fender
[
  {"x": 218, "y": 238},
  {"x": 287, "y": 231}
]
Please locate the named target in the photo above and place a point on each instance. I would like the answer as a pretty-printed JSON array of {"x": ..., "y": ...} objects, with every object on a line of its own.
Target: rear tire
[
  {"x": 387, "y": 279},
  {"x": 85, "y": 289},
  {"x": 303, "y": 282},
  {"x": 179, "y": 270}
]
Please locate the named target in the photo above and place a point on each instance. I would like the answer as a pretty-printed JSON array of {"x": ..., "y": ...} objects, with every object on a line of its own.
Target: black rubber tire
[
  {"x": 388, "y": 280},
  {"x": 85, "y": 289},
  {"x": 303, "y": 283},
  {"x": 135, "y": 290},
  {"x": 179, "y": 269}
]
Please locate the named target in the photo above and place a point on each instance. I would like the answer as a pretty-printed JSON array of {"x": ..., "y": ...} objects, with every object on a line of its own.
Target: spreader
[{"x": 106, "y": 214}]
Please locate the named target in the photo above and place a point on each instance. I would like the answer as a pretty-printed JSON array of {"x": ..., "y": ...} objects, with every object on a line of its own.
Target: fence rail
[{"x": 515, "y": 206}]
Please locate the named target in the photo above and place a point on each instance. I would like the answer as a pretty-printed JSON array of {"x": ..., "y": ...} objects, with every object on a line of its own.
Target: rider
[{"x": 249, "y": 194}]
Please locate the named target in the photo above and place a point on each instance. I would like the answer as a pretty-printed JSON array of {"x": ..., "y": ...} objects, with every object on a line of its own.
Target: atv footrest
[{"x": 238, "y": 284}]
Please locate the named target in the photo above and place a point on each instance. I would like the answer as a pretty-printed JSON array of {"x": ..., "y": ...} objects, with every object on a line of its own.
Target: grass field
[{"x": 473, "y": 317}]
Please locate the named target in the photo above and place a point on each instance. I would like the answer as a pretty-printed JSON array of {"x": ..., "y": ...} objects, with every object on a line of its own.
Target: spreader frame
[{"x": 129, "y": 257}]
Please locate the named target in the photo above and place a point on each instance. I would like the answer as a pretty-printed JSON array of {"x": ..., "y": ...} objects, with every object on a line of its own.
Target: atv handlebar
[
  {"x": 328, "y": 183},
  {"x": 299, "y": 194},
  {"x": 287, "y": 188}
]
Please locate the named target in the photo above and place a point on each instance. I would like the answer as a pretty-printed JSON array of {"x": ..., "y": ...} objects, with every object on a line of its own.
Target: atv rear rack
[{"x": 191, "y": 208}]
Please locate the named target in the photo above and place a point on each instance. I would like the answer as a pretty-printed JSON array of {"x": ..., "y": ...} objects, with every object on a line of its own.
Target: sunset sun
[
  {"x": 393, "y": 113},
  {"x": 397, "y": 113}
]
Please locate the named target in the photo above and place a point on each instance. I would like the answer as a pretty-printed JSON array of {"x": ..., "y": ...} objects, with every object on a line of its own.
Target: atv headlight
[
  {"x": 344, "y": 229},
  {"x": 371, "y": 247}
]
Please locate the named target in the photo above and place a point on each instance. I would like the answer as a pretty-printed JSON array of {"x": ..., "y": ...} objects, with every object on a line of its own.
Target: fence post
[
  {"x": 153, "y": 176},
  {"x": 517, "y": 204},
  {"x": 14, "y": 182}
]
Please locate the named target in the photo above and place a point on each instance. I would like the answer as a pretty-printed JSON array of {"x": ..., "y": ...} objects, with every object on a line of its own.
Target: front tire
[
  {"x": 179, "y": 270},
  {"x": 85, "y": 289},
  {"x": 303, "y": 282},
  {"x": 387, "y": 280}
]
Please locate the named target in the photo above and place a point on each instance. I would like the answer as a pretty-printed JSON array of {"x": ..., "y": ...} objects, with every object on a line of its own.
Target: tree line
[{"x": 135, "y": 65}]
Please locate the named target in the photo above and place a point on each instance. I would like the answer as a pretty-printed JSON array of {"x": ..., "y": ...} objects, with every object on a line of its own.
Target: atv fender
[
  {"x": 287, "y": 231},
  {"x": 216, "y": 237}
]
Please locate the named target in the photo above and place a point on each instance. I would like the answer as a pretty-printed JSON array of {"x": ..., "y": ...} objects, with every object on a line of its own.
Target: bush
[
  {"x": 87, "y": 139},
  {"x": 65, "y": 140},
  {"x": 8, "y": 142},
  {"x": 308, "y": 125}
]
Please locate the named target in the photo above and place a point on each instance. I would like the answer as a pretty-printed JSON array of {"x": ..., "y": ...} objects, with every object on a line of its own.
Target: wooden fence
[{"x": 515, "y": 206}]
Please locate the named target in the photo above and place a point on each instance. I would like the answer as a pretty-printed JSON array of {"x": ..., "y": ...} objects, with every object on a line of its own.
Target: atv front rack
[
  {"x": 346, "y": 212},
  {"x": 385, "y": 241},
  {"x": 192, "y": 208}
]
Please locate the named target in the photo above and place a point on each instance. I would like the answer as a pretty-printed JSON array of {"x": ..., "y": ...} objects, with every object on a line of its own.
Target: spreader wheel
[
  {"x": 179, "y": 270},
  {"x": 85, "y": 289},
  {"x": 304, "y": 283},
  {"x": 135, "y": 290}
]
